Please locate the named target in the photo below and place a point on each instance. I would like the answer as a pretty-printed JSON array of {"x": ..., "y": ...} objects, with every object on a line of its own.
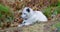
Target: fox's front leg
[
  {"x": 26, "y": 22},
  {"x": 30, "y": 20}
]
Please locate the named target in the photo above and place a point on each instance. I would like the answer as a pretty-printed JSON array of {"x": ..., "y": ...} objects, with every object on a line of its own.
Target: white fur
[{"x": 33, "y": 16}]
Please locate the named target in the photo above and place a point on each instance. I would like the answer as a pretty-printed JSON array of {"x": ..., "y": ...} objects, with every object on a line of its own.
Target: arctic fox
[{"x": 29, "y": 16}]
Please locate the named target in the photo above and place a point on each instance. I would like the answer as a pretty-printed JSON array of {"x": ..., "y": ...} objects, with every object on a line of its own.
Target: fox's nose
[{"x": 23, "y": 16}]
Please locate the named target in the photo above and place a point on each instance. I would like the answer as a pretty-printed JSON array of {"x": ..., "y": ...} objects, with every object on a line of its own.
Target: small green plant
[
  {"x": 3, "y": 9},
  {"x": 57, "y": 25},
  {"x": 58, "y": 3},
  {"x": 5, "y": 14},
  {"x": 0, "y": 14},
  {"x": 47, "y": 11},
  {"x": 57, "y": 10}
]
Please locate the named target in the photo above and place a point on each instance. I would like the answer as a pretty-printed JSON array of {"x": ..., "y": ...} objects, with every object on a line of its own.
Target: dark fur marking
[{"x": 28, "y": 10}]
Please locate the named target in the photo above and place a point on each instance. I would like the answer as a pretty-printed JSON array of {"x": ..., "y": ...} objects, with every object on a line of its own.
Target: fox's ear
[{"x": 28, "y": 10}]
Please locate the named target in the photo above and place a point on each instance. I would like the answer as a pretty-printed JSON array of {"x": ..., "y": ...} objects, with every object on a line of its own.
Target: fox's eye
[
  {"x": 24, "y": 13},
  {"x": 24, "y": 22}
]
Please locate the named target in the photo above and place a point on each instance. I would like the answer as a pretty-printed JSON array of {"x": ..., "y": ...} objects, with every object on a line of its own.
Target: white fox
[{"x": 29, "y": 16}]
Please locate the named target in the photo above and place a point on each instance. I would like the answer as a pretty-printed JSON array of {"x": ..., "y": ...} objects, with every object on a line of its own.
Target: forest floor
[
  {"x": 52, "y": 25},
  {"x": 37, "y": 27}
]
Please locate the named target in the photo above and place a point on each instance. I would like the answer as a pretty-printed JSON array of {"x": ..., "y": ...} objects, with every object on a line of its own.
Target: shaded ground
[{"x": 37, "y": 27}]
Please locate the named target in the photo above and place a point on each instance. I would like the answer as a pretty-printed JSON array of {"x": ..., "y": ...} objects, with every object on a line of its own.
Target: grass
[
  {"x": 4, "y": 8},
  {"x": 47, "y": 11},
  {"x": 57, "y": 25},
  {"x": 5, "y": 14}
]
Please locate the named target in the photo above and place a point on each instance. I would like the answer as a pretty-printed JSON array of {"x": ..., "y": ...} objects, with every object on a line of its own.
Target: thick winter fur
[{"x": 29, "y": 16}]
